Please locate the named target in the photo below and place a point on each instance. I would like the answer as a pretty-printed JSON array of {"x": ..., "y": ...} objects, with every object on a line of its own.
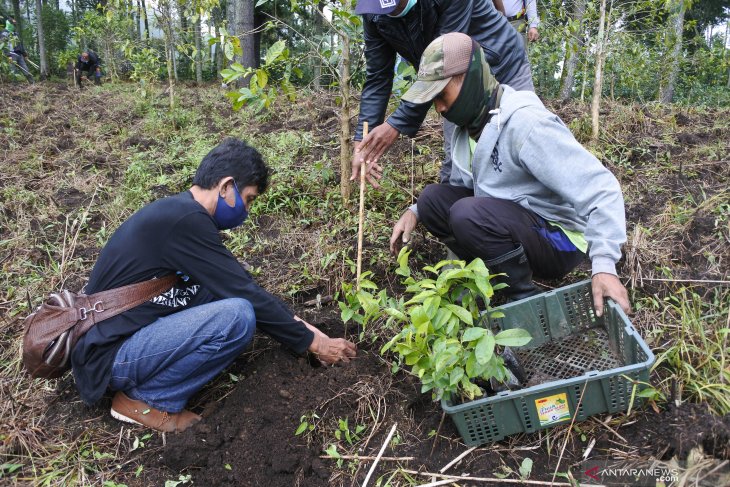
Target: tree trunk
[
  {"x": 170, "y": 74},
  {"x": 138, "y": 22},
  {"x": 724, "y": 50},
  {"x": 165, "y": 21},
  {"x": 345, "y": 136},
  {"x": 666, "y": 88},
  {"x": 146, "y": 21},
  {"x": 18, "y": 19},
  {"x": 198, "y": 52},
  {"x": 598, "y": 81},
  {"x": 243, "y": 27},
  {"x": 41, "y": 40},
  {"x": 172, "y": 37},
  {"x": 318, "y": 30},
  {"x": 575, "y": 43}
]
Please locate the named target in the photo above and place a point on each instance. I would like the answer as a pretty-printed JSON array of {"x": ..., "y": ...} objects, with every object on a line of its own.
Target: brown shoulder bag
[{"x": 54, "y": 328}]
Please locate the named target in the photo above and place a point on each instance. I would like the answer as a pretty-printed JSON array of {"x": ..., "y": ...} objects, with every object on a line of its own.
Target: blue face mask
[
  {"x": 408, "y": 8},
  {"x": 227, "y": 217}
]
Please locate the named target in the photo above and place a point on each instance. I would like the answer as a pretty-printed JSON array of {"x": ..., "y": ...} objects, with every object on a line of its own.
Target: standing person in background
[{"x": 522, "y": 14}]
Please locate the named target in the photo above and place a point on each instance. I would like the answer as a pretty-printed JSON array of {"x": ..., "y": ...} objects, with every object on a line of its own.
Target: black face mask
[{"x": 471, "y": 107}]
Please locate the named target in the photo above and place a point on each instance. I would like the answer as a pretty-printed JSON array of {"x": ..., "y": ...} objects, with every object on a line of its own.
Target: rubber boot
[{"x": 518, "y": 274}]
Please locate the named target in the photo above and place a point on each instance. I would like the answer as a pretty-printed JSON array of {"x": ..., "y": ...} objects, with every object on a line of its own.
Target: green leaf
[
  {"x": 332, "y": 451},
  {"x": 388, "y": 345},
  {"x": 472, "y": 334},
  {"x": 420, "y": 297},
  {"x": 347, "y": 314},
  {"x": 275, "y": 51},
  {"x": 526, "y": 468},
  {"x": 463, "y": 314},
  {"x": 403, "y": 269},
  {"x": 485, "y": 287},
  {"x": 262, "y": 78},
  {"x": 515, "y": 337},
  {"x": 302, "y": 428},
  {"x": 396, "y": 313},
  {"x": 456, "y": 376},
  {"x": 228, "y": 50},
  {"x": 485, "y": 348},
  {"x": 368, "y": 303},
  {"x": 431, "y": 305},
  {"x": 442, "y": 316},
  {"x": 418, "y": 316}
]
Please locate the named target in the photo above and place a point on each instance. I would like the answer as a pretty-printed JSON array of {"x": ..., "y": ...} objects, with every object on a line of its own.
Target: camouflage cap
[{"x": 444, "y": 58}]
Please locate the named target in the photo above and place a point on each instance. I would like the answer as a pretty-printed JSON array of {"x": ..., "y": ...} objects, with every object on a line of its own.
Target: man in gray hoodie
[{"x": 524, "y": 194}]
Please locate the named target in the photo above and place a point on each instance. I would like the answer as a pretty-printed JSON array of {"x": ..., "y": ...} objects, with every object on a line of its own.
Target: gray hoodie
[{"x": 527, "y": 155}]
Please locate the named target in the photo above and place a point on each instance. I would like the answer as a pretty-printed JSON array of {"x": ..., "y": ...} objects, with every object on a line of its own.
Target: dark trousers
[
  {"x": 88, "y": 73},
  {"x": 489, "y": 228}
]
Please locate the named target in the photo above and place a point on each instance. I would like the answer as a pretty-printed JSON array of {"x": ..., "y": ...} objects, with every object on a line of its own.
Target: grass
[
  {"x": 694, "y": 354},
  {"x": 678, "y": 230}
]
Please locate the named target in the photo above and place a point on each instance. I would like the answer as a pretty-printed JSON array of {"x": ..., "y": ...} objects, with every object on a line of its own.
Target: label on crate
[{"x": 552, "y": 409}]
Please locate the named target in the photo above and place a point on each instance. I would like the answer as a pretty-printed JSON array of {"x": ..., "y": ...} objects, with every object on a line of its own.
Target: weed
[
  {"x": 307, "y": 424},
  {"x": 696, "y": 355},
  {"x": 343, "y": 431}
]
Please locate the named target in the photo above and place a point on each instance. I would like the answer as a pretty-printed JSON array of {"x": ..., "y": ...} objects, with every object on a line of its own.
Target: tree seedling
[{"x": 442, "y": 339}]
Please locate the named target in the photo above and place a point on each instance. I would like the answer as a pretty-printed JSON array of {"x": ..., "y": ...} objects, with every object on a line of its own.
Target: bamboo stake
[
  {"x": 457, "y": 460},
  {"x": 368, "y": 458},
  {"x": 361, "y": 222},
  {"x": 380, "y": 454}
]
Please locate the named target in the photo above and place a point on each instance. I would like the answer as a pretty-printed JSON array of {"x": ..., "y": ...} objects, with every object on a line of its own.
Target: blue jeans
[{"x": 168, "y": 361}]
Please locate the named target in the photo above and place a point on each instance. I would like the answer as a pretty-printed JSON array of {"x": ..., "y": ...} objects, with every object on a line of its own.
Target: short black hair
[{"x": 235, "y": 158}]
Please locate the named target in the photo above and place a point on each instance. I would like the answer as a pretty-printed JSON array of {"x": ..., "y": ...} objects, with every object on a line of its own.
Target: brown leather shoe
[{"x": 132, "y": 411}]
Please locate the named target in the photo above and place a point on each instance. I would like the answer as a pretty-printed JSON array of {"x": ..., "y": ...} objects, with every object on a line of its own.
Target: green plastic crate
[{"x": 555, "y": 318}]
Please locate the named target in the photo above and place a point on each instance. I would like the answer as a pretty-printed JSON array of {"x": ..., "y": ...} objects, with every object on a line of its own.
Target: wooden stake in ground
[
  {"x": 361, "y": 223},
  {"x": 380, "y": 454}
]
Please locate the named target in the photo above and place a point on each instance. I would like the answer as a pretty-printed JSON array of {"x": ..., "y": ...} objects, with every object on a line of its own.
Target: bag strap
[{"x": 103, "y": 305}]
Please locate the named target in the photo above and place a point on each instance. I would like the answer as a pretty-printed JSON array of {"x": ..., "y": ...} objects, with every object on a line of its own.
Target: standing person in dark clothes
[
  {"x": 406, "y": 27},
  {"x": 88, "y": 62},
  {"x": 157, "y": 355}
]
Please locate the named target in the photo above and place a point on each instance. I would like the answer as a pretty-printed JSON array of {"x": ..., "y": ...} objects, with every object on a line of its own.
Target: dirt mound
[{"x": 679, "y": 430}]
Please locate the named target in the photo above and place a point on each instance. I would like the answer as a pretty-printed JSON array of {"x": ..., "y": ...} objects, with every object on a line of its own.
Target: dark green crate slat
[{"x": 551, "y": 317}]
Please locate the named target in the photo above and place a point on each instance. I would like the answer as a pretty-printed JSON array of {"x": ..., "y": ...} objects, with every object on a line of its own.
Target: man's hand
[
  {"x": 402, "y": 231},
  {"x": 329, "y": 351},
  {"x": 533, "y": 34},
  {"x": 609, "y": 286},
  {"x": 369, "y": 151}
]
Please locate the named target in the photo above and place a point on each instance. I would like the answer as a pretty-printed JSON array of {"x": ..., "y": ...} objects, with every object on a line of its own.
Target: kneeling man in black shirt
[{"x": 157, "y": 355}]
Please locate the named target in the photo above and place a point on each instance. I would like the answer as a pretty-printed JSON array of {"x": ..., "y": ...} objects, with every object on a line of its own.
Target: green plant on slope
[
  {"x": 696, "y": 356},
  {"x": 442, "y": 340}
]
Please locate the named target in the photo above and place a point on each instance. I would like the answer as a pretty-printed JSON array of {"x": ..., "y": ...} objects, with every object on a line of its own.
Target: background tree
[
  {"x": 241, "y": 25},
  {"x": 573, "y": 47},
  {"x": 674, "y": 36},
  {"x": 41, "y": 41}
]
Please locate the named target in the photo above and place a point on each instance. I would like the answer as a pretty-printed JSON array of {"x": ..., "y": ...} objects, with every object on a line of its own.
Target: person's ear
[{"x": 224, "y": 186}]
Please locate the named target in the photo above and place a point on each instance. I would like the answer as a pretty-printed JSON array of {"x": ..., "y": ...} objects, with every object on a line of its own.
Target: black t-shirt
[{"x": 171, "y": 235}]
